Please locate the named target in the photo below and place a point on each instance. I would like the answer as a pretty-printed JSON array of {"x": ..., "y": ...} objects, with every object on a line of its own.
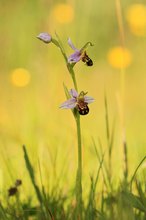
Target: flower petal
[
  {"x": 71, "y": 44},
  {"x": 73, "y": 93},
  {"x": 45, "y": 37},
  {"x": 75, "y": 57},
  {"x": 88, "y": 99},
  {"x": 69, "y": 104}
]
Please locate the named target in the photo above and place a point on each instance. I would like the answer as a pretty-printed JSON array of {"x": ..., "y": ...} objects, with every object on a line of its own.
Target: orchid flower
[
  {"x": 78, "y": 101},
  {"x": 45, "y": 37},
  {"x": 79, "y": 54}
]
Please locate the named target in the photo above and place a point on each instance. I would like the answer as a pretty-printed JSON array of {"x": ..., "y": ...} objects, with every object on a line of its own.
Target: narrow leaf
[{"x": 31, "y": 174}]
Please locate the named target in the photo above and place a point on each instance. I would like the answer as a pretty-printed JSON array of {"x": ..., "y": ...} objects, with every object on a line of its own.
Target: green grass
[
  {"x": 108, "y": 203},
  {"x": 104, "y": 201}
]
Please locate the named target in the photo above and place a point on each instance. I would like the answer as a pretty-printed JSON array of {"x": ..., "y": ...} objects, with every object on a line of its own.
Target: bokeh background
[{"x": 31, "y": 86}]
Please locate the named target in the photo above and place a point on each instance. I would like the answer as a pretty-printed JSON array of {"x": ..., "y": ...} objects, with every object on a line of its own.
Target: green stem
[
  {"x": 79, "y": 170},
  {"x": 131, "y": 181},
  {"x": 74, "y": 81},
  {"x": 71, "y": 71},
  {"x": 77, "y": 119}
]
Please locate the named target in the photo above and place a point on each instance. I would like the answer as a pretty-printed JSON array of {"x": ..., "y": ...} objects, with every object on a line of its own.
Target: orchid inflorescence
[{"x": 76, "y": 101}]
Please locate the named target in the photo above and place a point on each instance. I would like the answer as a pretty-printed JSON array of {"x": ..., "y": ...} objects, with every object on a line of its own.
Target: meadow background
[{"x": 31, "y": 87}]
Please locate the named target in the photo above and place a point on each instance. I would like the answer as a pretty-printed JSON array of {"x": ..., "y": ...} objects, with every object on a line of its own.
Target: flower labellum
[
  {"x": 78, "y": 101},
  {"x": 86, "y": 59},
  {"x": 80, "y": 54},
  {"x": 45, "y": 37}
]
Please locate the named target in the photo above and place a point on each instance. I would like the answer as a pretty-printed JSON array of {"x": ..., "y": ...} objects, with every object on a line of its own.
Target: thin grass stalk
[
  {"x": 104, "y": 168},
  {"x": 7, "y": 164},
  {"x": 125, "y": 159},
  {"x": 108, "y": 136},
  {"x": 3, "y": 212},
  {"x": 32, "y": 176},
  {"x": 122, "y": 42},
  {"x": 122, "y": 80},
  {"x": 110, "y": 140},
  {"x": 100, "y": 166},
  {"x": 44, "y": 195},
  {"x": 134, "y": 174}
]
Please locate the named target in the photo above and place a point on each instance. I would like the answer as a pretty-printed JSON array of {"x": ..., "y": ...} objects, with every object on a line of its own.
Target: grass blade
[
  {"x": 136, "y": 172},
  {"x": 31, "y": 174}
]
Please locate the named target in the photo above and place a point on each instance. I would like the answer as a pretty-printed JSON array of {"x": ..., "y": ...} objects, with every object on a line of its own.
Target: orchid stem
[
  {"x": 71, "y": 70},
  {"x": 79, "y": 169},
  {"x": 77, "y": 119},
  {"x": 74, "y": 81}
]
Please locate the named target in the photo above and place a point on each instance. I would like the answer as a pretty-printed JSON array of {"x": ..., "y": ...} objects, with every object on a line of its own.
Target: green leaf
[
  {"x": 134, "y": 201},
  {"x": 31, "y": 174}
]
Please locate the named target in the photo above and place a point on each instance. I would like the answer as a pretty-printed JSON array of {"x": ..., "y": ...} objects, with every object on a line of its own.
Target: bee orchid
[
  {"x": 78, "y": 101},
  {"x": 79, "y": 54}
]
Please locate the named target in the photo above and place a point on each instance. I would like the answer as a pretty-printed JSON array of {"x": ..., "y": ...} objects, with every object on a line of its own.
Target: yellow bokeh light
[
  {"x": 136, "y": 18},
  {"x": 20, "y": 77},
  {"x": 63, "y": 13},
  {"x": 119, "y": 57}
]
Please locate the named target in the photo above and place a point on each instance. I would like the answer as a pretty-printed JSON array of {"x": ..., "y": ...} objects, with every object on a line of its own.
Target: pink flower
[
  {"x": 45, "y": 37},
  {"x": 78, "y": 101},
  {"x": 79, "y": 54}
]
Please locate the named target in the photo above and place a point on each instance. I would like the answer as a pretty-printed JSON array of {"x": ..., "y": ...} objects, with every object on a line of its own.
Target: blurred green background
[{"x": 31, "y": 87}]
